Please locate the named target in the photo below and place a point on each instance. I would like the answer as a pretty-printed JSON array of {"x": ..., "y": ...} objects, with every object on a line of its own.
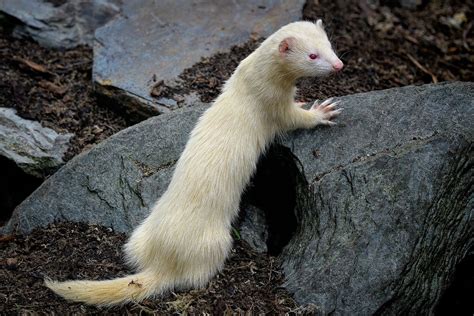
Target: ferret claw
[
  {"x": 327, "y": 102},
  {"x": 315, "y": 104},
  {"x": 326, "y": 111},
  {"x": 328, "y": 122},
  {"x": 335, "y": 113}
]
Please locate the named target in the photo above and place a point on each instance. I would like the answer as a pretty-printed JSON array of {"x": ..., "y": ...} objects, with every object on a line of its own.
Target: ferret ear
[
  {"x": 319, "y": 23},
  {"x": 286, "y": 45}
]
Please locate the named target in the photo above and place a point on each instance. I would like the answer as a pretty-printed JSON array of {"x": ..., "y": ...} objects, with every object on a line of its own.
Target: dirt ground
[
  {"x": 55, "y": 88},
  {"x": 249, "y": 281},
  {"x": 381, "y": 47}
]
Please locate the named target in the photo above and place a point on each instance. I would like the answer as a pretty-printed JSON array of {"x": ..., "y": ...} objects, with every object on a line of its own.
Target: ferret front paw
[{"x": 325, "y": 111}]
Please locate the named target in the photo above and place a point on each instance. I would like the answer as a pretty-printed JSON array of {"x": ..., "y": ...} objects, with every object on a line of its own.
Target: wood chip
[
  {"x": 12, "y": 261},
  {"x": 32, "y": 65},
  {"x": 157, "y": 89},
  {"x": 411, "y": 39},
  {"x": 54, "y": 88},
  {"x": 7, "y": 238}
]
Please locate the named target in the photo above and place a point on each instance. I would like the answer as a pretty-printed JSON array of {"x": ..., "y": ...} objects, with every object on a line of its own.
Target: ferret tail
[{"x": 134, "y": 287}]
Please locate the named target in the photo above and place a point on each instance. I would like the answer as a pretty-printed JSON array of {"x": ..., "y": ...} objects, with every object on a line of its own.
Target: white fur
[{"x": 186, "y": 238}]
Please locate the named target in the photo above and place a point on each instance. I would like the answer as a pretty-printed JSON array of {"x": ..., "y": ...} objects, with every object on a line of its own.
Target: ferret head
[{"x": 305, "y": 51}]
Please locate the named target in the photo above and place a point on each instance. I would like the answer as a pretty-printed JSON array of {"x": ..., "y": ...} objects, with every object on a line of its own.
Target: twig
[
  {"x": 411, "y": 39},
  {"x": 464, "y": 36},
  {"x": 422, "y": 68},
  {"x": 32, "y": 65}
]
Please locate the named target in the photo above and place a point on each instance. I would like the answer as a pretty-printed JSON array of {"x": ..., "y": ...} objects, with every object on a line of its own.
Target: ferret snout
[{"x": 337, "y": 65}]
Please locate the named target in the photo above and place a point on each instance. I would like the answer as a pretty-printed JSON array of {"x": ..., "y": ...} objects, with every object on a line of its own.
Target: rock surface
[
  {"x": 60, "y": 23},
  {"x": 35, "y": 149},
  {"x": 116, "y": 182},
  {"x": 383, "y": 200},
  {"x": 253, "y": 229},
  {"x": 388, "y": 213},
  {"x": 156, "y": 40}
]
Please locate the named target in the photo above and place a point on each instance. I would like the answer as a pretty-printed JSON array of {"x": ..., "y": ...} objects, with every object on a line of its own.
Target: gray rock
[
  {"x": 154, "y": 41},
  {"x": 35, "y": 149},
  {"x": 384, "y": 199},
  {"x": 65, "y": 25},
  {"x": 388, "y": 213},
  {"x": 254, "y": 229},
  {"x": 116, "y": 182}
]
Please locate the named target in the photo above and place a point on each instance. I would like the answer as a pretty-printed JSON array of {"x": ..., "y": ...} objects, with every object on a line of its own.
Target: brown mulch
[
  {"x": 384, "y": 47},
  {"x": 55, "y": 88},
  {"x": 249, "y": 281}
]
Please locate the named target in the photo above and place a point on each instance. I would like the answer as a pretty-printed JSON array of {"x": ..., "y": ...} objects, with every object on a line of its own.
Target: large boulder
[
  {"x": 116, "y": 182},
  {"x": 154, "y": 41},
  {"x": 385, "y": 208},
  {"x": 378, "y": 208}
]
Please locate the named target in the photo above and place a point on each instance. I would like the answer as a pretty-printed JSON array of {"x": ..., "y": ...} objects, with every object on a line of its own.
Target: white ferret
[{"x": 186, "y": 238}]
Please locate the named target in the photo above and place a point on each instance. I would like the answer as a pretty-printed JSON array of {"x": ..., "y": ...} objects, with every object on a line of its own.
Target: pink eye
[{"x": 313, "y": 56}]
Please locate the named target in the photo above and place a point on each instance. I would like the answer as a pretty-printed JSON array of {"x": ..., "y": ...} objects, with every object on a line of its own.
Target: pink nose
[{"x": 337, "y": 65}]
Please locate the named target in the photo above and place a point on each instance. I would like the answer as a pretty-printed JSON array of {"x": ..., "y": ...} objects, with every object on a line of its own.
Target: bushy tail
[{"x": 134, "y": 287}]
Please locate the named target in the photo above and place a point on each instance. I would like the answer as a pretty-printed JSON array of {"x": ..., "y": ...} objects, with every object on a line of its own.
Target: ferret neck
[{"x": 265, "y": 78}]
